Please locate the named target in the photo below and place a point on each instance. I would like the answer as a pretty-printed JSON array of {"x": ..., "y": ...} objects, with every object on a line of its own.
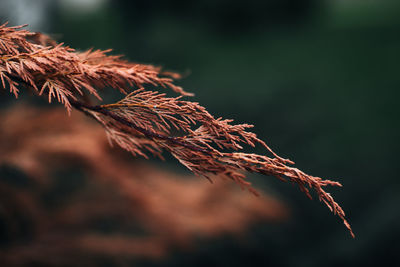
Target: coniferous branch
[{"x": 144, "y": 121}]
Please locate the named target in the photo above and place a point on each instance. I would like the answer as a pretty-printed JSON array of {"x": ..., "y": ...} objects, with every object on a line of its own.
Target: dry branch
[{"x": 144, "y": 121}]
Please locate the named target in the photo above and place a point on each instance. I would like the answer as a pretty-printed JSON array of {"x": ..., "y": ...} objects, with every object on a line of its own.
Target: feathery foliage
[{"x": 144, "y": 121}]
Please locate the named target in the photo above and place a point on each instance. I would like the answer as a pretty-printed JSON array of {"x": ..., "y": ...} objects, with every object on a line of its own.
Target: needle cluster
[{"x": 144, "y": 121}]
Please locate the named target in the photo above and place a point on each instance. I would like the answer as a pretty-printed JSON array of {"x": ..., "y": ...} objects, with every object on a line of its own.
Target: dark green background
[{"x": 320, "y": 81}]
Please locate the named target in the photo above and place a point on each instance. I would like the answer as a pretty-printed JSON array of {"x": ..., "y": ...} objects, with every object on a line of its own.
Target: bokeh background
[{"x": 319, "y": 79}]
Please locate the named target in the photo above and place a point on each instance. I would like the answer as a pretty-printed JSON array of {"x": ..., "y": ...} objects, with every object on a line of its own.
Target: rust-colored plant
[
  {"x": 171, "y": 211},
  {"x": 144, "y": 121}
]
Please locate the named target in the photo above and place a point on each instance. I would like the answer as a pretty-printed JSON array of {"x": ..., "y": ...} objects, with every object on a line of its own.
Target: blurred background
[{"x": 319, "y": 79}]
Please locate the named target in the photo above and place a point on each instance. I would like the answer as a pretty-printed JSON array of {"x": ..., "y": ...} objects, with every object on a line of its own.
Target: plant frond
[{"x": 145, "y": 121}]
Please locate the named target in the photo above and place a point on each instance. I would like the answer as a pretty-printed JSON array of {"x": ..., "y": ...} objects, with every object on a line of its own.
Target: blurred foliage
[{"x": 319, "y": 79}]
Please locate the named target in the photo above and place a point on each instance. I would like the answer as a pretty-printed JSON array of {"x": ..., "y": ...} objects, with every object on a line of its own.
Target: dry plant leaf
[{"x": 145, "y": 121}]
